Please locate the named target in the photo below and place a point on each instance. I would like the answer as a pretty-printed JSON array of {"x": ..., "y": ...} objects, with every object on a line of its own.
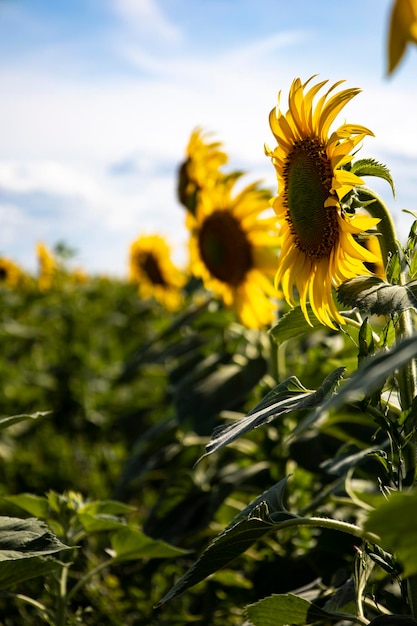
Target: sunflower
[
  {"x": 10, "y": 274},
  {"x": 200, "y": 168},
  {"x": 233, "y": 248},
  {"x": 47, "y": 267},
  {"x": 318, "y": 248},
  {"x": 155, "y": 274},
  {"x": 402, "y": 30}
]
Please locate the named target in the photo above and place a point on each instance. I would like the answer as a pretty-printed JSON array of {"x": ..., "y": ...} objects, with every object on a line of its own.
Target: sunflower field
[{"x": 231, "y": 442}]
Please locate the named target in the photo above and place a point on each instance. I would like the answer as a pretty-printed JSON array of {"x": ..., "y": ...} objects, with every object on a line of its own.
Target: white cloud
[
  {"x": 66, "y": 135},
  {"x": 147, "y": 19}
]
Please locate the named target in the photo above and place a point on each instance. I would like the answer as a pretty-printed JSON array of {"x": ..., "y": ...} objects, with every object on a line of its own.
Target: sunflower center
[
  {"x": 224, "y": 248},
  {"x": 3, "y": 274},
  {"x": 151, "y": 268},
  {"x": 308, "y": 177}
]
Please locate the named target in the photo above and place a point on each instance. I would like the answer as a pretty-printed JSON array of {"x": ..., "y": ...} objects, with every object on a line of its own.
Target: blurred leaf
[
  {"x": 288, "y": 396},
  {"x": 394, "y": 521},
  {"x": 371, "y": 293},
  {"x": 370, "y": 167},
  {"x": 23, "y": 546},
  {"x": 225, "y": 388},
  {"x": 15, "y": 419},
  {"x": 106, "y": 507},
  {"x": 129, "y": 544},
  {"x": 100, "y": 522},
  {"x": 38, "y": 506},
  {"x": 293, "y": 324}
]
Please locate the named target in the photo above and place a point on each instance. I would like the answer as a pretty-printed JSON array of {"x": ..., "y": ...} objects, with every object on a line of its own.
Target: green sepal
[{"x": 370, "y": 167}]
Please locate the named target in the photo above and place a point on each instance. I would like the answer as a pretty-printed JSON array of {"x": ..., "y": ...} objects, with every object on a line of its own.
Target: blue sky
[{"x": 98, "y": 99}]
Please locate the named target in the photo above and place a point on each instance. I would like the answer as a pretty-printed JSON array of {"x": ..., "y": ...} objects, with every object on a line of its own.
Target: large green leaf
[
  {"x": 256, "y": 520},
  {"x": 394, "y": 522},
  {"x": 25, "y": 548},
  {"x": 371, "y": 293},
  {"x": 264, "y": 515},
  {"x": 370, "y": 375},
  {"x": 288, "y": 396},
  {"x": 281, "y": 610}
]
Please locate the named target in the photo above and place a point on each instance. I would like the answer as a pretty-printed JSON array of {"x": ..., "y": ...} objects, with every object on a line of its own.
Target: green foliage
[
  {"x": 371, "y": 167},
  {"x": 305, "y": 432},
  {"x": 376, "y": 296}
]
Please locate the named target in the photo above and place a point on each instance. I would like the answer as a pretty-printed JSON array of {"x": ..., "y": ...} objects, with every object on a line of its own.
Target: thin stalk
[
  {"x": 62, "y": 599},
  {"x": 38, "y": 605},
  {"x": 332, "y": 524},
  {"x": 87, "y": 577}
]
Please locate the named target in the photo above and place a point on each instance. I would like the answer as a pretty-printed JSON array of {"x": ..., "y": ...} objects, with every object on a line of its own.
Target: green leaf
[
  {"x": 370, "y": 167},
  {"x": 100, "y": 522},
  {"x": 394, "y": 521},
  {"x": 106, "y": 507},
  {"x": 129, "y": 544},
  {"x": 366, "y": 341},
  {"x": 371, "y": 374},
  {"x": 224, "y": 549},
  {"x": 281, "y": 610},
  {"x": 288, "y": 396},
  {"x": 371, "y": 293},
  {"x": 14, "y": 572},
  {"x": 5, "y": 422},
  {"x": 23, "y": 546},
  {"x": 257, "y": 519},
  {"x": 293, "y": 324},
  {"x": 22, "y": 538},
  {"x": 38, "y": 506}
]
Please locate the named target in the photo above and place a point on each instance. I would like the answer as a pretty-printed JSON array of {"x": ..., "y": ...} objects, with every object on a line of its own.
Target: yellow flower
[
  {"x": 47, "y": 267},
  {"x": 154, "y": 272},
  {"x": 200, "y": 168},
  {"x": 318, "y": 250},
  {"x": 233, "y": 248},
  {"x": 402, "y": 30},
  {"x": 10, "y": 274}
]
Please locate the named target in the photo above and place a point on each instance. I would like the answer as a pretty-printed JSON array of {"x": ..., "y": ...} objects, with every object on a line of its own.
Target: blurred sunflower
[
  {"x": 402, "y": 30},
  {"x": 233, "y": 248},
  {"x": 47, "y": 267},
  {"x": 10, "y": 274},
  {"x": 372, "y": 244},
  {"x": 152, "y": 270},
  {"x": 200, "y": 168},
  {"x": 318, "y": 249}
]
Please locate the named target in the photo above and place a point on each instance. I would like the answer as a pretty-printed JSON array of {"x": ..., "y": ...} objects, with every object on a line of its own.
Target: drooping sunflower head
[
  {"x": 318, "y": 248},
  {"x": 10, "y": 274},
  {"x": 152, "y": 269},
  {"x": 47, "y": 267},
  {"x": 200, "y": 168},
  {"x": 402, "y": 30},
  {"x": 233, "y": 248}
]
